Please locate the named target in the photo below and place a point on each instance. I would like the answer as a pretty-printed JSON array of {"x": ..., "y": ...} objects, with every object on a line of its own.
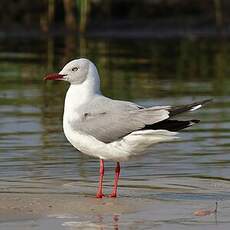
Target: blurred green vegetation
[
  {"x": 83, "y": 14},
  {"x": 131, "y": 65},
  {"x": 128, "y": 68}
]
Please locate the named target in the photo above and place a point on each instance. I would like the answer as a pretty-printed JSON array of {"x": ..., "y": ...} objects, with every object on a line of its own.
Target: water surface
[{"x": 35, "y": 156}]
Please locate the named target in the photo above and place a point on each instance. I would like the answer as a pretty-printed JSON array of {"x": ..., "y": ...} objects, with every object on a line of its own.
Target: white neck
[{"x": 79, "y": 94}]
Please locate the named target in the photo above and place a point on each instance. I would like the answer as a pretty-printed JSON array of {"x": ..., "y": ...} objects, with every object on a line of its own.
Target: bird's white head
[{"x": 77, "y": 72}]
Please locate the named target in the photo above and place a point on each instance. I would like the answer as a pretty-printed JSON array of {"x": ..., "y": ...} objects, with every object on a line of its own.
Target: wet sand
[
  {"x": 16, "y": 206},
  {"x": 61, "y": 211}
]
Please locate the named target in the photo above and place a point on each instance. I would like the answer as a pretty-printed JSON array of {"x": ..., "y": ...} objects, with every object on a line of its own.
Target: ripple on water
[
  {"x": 35, "y": 157},
  {"x": 31, "y": 131}
]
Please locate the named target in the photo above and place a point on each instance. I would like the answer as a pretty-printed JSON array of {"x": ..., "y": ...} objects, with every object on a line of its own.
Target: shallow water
[{"x": 36, "y": 158}]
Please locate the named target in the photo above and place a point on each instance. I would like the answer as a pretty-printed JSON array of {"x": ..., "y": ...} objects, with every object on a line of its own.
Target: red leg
[
  {"x": 116, "y": 177},
  {"x": 100, "y": 186}
]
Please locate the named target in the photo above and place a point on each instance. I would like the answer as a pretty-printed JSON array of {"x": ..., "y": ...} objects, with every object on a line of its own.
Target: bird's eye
[{"x": 75, "y": 69}]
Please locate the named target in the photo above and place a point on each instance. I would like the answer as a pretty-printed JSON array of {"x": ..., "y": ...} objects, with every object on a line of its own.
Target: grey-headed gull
[{"x": 112, "y": 129}]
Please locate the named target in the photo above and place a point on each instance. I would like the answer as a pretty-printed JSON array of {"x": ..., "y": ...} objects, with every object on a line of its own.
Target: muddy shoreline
[{"x": 25, "y": 206}]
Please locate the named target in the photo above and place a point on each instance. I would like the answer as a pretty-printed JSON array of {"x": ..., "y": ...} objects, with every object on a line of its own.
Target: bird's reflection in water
[
  {"x": 115, "y": 222},
  {"x": 104, "y": 226},
  {"x": 97, "y": 222}
]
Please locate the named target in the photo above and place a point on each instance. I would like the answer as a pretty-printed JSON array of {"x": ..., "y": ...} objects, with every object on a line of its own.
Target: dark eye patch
[{"x": 75, "y": 69}]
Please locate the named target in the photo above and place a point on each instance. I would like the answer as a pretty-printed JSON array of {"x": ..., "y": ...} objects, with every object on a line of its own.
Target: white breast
[{"x": 135, "y": 143}]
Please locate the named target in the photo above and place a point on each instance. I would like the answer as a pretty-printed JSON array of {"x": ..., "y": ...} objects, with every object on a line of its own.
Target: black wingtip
[
  {"x": 173, "y": 111},
  {"x": 207, "y": 101},
  {"x": 195, "y": 121},
  {"x": 198, "y": 105}
]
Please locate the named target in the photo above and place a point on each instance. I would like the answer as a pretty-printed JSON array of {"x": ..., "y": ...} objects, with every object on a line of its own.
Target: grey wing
[
  {"x": 108, "y": 123},
  {"x": 107, "y": 127}
]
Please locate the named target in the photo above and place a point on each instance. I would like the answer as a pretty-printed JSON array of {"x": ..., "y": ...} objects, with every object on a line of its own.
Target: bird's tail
[{"x": 138, "y": 142}]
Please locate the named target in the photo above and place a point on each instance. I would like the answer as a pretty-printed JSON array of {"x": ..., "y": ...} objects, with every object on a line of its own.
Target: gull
[{"x": 113, "y": 129}]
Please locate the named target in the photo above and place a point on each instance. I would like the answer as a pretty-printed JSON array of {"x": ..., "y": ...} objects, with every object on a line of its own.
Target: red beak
[{"x": 54, "y": 76}]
